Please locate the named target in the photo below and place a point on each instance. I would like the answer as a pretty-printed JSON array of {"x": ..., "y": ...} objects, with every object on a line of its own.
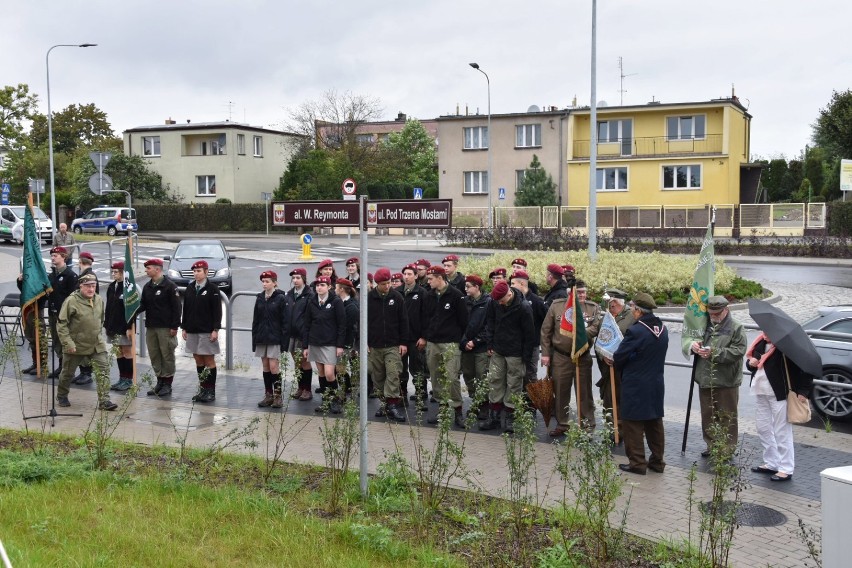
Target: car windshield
[
  {"x": 198, "y": 251},
  {"x": 19, "y": 211}
]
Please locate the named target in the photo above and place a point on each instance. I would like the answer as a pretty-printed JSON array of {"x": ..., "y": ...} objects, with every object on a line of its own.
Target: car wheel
[
  {"x": 111, "y": 231},
  {"x": 834, "y": 402},
  {"x": 78, "y": 229}
]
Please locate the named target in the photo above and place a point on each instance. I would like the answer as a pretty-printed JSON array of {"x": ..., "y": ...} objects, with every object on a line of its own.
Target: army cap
[
  {"x": 616, "y": 293},
  {"x": 644, "y": 300},
  {"x": 717, "y": 303}
]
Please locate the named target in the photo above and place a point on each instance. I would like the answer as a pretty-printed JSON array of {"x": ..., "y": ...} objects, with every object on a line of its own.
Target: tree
[
  {"x": 413, "y": 155},
  {"x": 17, "y": 106},
  {"x": 537, "y": 187},
  {"x": 833, "y": 128},
  {"x": 315, "y": 174},
  {"x": 773, "y": 178},
  {"x": 73, "y": 127}
]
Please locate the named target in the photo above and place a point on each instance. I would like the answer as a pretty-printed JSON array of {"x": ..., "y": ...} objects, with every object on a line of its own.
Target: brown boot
[
  {"x": 298, "y": 394},
  {"x": 267, "y": 400},
  {"x": 277, "y": 399}
]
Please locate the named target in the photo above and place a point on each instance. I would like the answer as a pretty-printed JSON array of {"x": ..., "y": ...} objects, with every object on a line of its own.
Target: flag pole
[
  {"x": 613, "y": 398},
  {"x": 577, "y": 390},
  {"x": 133, "y": 325},
  {"x": 37, "y": 315}
]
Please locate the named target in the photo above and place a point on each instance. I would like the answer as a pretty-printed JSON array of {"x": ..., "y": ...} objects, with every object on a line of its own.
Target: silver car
[{"x": 836, "y": 353}]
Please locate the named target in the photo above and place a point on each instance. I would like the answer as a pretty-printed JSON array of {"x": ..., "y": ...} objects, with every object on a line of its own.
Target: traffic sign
[
  {"x": 315, "y": 213},
  {"x": 100, "y": 159},
  {"x": 424, "y": 213},
  {"x": 4, "y": 194},
  {"x": 501, "y": 193},
  {"x": 307, "y": 239},
  {"x": 349, "y": 188},
  {"x": 418, "y": 193},
  {"x": 98, "y": 183}
]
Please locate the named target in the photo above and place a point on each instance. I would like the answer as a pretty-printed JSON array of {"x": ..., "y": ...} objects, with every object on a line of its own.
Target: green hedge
[
  {"x": 839, "y": 218},
  {"x": 208, "y": 217}
]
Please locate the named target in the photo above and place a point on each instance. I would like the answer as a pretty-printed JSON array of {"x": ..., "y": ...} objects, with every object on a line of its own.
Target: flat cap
[
  {"x": 616, "y": 293},
  {"x": 717, "y": 303},
  {"x": 644, "y": 300}
]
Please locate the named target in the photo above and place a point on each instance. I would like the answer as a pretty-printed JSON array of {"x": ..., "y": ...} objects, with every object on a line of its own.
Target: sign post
[
  {"x": 4, "y": 194},
  {"x": 845, "y": 177},
  {"x": 266, "y": 196},
  {"x": 349, "y": 186}
]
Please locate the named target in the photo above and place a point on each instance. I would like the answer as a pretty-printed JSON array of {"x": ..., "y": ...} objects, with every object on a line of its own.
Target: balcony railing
[{"x": 651, "y": 146}]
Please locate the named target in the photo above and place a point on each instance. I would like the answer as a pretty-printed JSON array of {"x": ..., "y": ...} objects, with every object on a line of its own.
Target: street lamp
[
  {"x": 50, "y": 129},
  {"x": 488, "y": 186}
]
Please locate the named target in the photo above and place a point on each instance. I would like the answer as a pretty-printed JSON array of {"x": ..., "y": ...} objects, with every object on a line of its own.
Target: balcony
[{"x": 651, "y": 147}]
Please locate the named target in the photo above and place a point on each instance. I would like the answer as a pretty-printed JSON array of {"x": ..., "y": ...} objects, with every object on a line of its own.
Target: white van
[{"x": 12, "y": 223}]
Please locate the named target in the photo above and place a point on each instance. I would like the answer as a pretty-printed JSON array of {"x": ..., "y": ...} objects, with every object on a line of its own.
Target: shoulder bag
[{"x": 798, "y": 412}]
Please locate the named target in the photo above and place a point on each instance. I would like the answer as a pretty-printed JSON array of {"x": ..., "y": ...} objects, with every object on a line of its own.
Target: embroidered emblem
[
  {"x": 447, "y": 306},
  {"x": 390, "y": 302},
  {"x": 328, "y": 306},
  {"x": 157, "y": 293},
  {"x": 204, "y": 293},
  {"x": 415, "y": 296}
]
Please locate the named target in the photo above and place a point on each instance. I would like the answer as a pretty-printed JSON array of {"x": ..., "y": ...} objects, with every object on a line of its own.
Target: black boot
[
  {"x": 31, "y": 370},
  {"x": 85, "y": 376},
  {"x": 166, "y": 387},
  {"x": 209, "y": 386},
  {"x": 395, "y": 411},
  {"x": 336, "y": 397},
  {"x": 493, "y": 420},
  {"x": 56, "y": 371},
  {"x": 157, "y": 387},
  {"x": 509, "y": 426}
]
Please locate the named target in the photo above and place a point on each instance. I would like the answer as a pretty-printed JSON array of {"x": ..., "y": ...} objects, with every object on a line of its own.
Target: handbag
[{"x": 798, "y": 412}]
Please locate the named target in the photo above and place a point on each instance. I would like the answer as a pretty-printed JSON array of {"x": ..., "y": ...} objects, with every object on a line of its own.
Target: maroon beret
[
  {"x": 474, "y": 279},
  {"x": 382, "y": 275},
  {"x": 353, "y": 260},
  {"x": 499, "y": 270},
  {"x": 412, "y": 267},
  {"x": 451, "y": 258},
  {"x": 521, "y": 274},
  {"x": 500, "y": 290},
  {"x": 323, "y": 280},
  {"x": 370, "y": 276},
  {"x": 345, "y": 282},
  {"x": 520, "y": 261},
  {"x": 566, "y": 268},
  {"x": 396, "y": 276},
  {"x": 423, "y": 262},
  {"x": 301, "y": 272},
  {"x": 59, "y": 250},
  {"x": 269, "y": 274},
  {"x": 555, "y": 269},
  {"x": 324, "y": 263},
  {"x": 200, "y": 264},
  {"x": 117, "y": 265},
  {"x": 439, "y": 270},
  {"x": 87, "y": 255},
  {"x": 154, "y": 262}
]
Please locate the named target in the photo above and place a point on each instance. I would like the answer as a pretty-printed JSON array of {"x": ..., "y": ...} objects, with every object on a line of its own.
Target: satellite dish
[
  {"x": 533, "y": 108},
  {"x": 603, "y": 104}
]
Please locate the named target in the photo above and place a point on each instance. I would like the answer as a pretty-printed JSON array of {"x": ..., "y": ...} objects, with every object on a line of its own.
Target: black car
[
  {"x": 834, "y": 402},
  {"x": 190, "y": 250}
]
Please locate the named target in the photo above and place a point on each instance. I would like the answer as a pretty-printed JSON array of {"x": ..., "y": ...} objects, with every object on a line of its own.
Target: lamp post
[
  {"x": 488, "y": 186},
  {"x": 50, "y": 129}
]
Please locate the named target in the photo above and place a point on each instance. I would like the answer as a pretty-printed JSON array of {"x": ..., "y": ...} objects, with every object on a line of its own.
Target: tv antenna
[
  {"x": 230, "y": 106},
  {"x": 622, "y": 90}
]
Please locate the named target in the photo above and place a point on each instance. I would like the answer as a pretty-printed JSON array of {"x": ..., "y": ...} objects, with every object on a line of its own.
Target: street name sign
[
  {"x": 422, "y": 213},
  {"x": 315, "y": 213}
]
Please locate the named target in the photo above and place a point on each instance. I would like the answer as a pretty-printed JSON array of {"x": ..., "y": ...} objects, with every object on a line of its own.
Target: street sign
[
  {"x": 314, "y": 214},
  {"x": 501, "y": 193},
  {"x": 349, "y": 188},
  {"x": 265, "y": 195},
  {"x": 4, "y": 193},
  {"x": 418, "y": 193},
  {"x": 424, "y": 213},
  {"x": 98, "y": 183},
  {"x": 36, "y": 186},
  {"x": 100, "y": 159}
]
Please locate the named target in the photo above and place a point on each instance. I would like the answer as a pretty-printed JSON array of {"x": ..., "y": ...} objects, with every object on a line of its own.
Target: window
[
  {"x": 611, "y": 179},
  {"x": 364, "y": 139},
  {"x": 682, "y": 177},
  {"x": 150, "y": 146},
  {"x": 617, "y": 131},
  {"x": 476, "y": 182},
  {"x": 527, "y": 135},
  {"x": 519, "y": 177},
  {"x": 258, "y": 146},
  {"x": 476, "y": 138},
  {"x": 241, "y": 144},
  {"x": 841, "y": 326},
  {"x": 685, "y": 127},
  {"x": 206, "y": 185}
]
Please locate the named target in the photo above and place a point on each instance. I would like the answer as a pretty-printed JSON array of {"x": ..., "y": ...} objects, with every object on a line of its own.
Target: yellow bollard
[{"x": 306, "y": 241}]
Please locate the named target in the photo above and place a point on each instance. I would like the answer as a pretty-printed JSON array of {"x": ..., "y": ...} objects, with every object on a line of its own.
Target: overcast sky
[{"x": 162, "y": 59}]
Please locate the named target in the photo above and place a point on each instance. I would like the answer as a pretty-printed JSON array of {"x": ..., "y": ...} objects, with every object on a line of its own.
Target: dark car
[
  {"x": 190, "y": 250},
  {"x": 836, "y": 353}
]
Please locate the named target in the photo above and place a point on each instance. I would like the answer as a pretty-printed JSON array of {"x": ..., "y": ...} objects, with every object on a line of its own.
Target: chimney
[
  {"x": 170, "y": 121},
  {"x": 400, "y": 117}
]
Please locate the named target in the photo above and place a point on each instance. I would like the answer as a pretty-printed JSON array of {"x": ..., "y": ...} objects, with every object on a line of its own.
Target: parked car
[
  {"x": 834, "y": 402},
  {"x": 12, "y": 222},
  {"x": 211, "y": 250},
  {"x": 109, "y": 220}
]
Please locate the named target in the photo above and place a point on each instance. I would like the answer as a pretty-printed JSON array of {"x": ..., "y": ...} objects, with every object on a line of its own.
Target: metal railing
[{"x": 647, "y": 146}]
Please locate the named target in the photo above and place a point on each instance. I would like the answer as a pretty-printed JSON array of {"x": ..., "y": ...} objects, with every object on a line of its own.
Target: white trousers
[{"x": 775, "y": 433}]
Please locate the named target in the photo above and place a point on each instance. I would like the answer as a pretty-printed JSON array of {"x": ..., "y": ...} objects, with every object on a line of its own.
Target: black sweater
[
  {"x": 446, "y": 316},
  {"x": 297, "y": 309},
  {"x": 114, "y": 321},
  {"x": 64, "y": 284},
  {"x": 387, "y": 319},
  {"x": 202, "y": 308},
  {"x": 161, "y": 304},
  {"x": 510, "y": 329},
  {"x": 271, "y": 322},
  {"x": 477, "y": 310},
  {"x": 414, "y": 301},
  {"x": 325, "y": 324}
]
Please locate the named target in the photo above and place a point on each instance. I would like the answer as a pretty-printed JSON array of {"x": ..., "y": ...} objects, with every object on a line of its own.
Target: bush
[
  {"x": 223, "y": 201},
  {"x": 840, "y": 219},
  {"x": 207, "y": 217}
]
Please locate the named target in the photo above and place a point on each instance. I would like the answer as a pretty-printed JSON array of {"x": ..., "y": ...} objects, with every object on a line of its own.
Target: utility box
[{"x": 836, "y": 503}]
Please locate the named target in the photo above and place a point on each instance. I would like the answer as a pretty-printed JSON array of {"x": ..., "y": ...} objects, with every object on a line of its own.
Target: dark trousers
[
  {"x": 633, "y": 432},
  {"x": 605, "y": 386},
  {"x": 720, "y": 405}
]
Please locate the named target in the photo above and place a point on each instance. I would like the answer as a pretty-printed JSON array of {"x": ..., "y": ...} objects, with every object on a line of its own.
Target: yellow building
[{"x": 663, "y": 154}]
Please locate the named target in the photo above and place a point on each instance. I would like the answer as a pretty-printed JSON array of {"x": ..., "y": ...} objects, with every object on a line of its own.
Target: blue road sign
[
  {"x": 418, "y": 193},
  {"x": 307, "y": 239},
  {"x": 4, "y": 194},
  {"x": 501, "y": 193}
]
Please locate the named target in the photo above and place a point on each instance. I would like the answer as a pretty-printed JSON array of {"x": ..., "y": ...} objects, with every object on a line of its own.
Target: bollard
[{"x": 306, "y": 240}]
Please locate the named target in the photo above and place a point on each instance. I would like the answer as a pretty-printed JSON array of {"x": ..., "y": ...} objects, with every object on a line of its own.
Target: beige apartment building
[
  {"x": 463, "y": 142},
  {"x": 207, "y": 161}
]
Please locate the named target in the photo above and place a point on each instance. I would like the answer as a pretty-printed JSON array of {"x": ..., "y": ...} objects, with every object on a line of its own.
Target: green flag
[
  {"x": 695, "y": 316},
  {"x": 131, "y": 295},
  {"x": 35, "y": 283}
]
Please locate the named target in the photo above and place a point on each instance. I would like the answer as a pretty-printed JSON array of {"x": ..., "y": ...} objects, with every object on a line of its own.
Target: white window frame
[
  {"x": 680, "y": 134},
  {"x": 155, "y": 146},
  {"x": 241, "y": 144},
  {"x": 209, "y": 186},
  {"x": 519, "y": 178},
  {"x": 618, "y": 123},
  {"x": 475, "y": 183},
  {"x": 688, "y": 186},
  {"x": 528, "y": 135},
  {"x": 601, "y": 177},
  {"x": 475, "y": 138},
  {"x": 257, "y": 146}
]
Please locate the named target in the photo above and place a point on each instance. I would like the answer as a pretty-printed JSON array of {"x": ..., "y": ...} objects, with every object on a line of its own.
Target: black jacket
[
  {"x": 510, "y": 330},
  {"x": 475, "y": 331},
  {"x": 387, "y": 319},
  {"x": 161, "y": 304},
  {"x": 539, "y": 312},
  {"x": 414, "y": 302},
  {"x": 325, "y": 324},
  {"x": 774, "y": 369},
  {"x": 271, "y": 322},
  {"x": 202, "y": 308},
  {"x": 64, "y": 284},
  {"x": 297, "y": 309},
  {"x": 559, "y": 290},
  {"x": 641, "y": 359},
  {"x": 114, "y": 322},
  {"x": 446, "y": 316},
  {"x": 458, "y": 282},
  {"x": 353, "y": 322}
]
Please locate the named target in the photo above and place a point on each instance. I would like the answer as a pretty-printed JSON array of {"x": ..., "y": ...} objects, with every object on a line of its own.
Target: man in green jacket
[
  {"x": 79, "y": 327},
  {"x": 719, "y": 371}
]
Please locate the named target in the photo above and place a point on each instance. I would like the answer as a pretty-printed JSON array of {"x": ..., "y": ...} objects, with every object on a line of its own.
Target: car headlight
[
  {"x": 223, "y": 272},
  {"x": 174, "y": 274}
]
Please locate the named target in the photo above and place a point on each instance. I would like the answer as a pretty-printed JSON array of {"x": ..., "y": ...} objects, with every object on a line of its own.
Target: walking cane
[
  {"x": 689, "y": 403},
  {"x": 614, "y": 403}
]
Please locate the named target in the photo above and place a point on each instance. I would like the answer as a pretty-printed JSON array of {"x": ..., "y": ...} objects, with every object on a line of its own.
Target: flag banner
[
  {"x": 609, "y": 337},
  {"x": 695, "y": 316},
  {"x": 574, "y": 325},
  {"x": 35, "y": 283},
  {"x": 131, "y": 294}
]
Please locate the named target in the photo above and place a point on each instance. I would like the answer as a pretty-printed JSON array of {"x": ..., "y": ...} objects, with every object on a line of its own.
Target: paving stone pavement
[{"x": 657, "y": 505}]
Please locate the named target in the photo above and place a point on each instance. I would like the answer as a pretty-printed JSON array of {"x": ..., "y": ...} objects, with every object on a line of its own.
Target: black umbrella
[{"x": 786, "y": 335}]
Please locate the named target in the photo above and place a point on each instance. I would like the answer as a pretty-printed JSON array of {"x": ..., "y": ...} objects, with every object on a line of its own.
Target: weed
[
  {"x": 378, "y": 537},
  {"x": 560, "y": 556},
  {"x": 520, "y": 459},
  {"x": 392, "y": 489},
  {"x": 340, "y": 439},
  {"x": 813, "y": 541},
  {"x": 103, "y": 423},
  {"x": 276, "y": 432}
]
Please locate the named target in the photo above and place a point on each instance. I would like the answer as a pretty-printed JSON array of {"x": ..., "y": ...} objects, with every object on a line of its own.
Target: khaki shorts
[{"x": 200, "y": 344}]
